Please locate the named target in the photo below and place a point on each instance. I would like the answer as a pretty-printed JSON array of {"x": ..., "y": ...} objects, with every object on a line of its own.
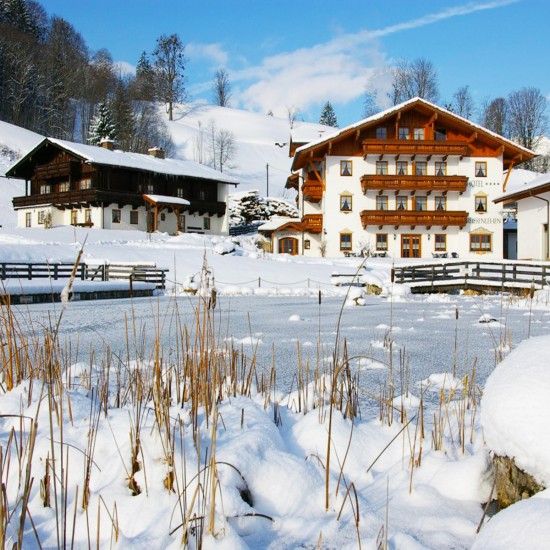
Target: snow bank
[{"x": 515, "y": 411}]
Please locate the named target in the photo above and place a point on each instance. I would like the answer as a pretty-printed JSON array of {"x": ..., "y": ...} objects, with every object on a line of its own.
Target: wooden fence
[
  {"x": 469, "y": 274},
  {"x": 86, "y": 272}
]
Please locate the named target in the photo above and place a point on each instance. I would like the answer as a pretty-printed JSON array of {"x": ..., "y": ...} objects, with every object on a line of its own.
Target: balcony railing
[
  {"x": 312, "y": 191},
  {"x": 424, "y": 218},
  {"x": 414, "y": 147},
  {"x": 313, "y": 223},
  {"x": 414, "y": 183},
  {"x": 73, "y": 199}
]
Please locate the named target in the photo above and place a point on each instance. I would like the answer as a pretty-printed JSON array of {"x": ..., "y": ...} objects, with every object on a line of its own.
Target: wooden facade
[{"x": 62, "y": 176}]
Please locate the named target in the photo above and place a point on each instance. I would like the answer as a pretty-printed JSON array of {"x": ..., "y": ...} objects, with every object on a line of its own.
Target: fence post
[
  {"x": 259, "y": 282},
  {"x": 29, "y": 268}
]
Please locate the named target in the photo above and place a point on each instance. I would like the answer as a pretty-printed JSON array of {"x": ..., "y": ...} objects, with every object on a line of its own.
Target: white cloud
[
  {"x": 124, "y": 68},
  {"x": 337, "y": 70},
  {"x": 211, "y": 52}
]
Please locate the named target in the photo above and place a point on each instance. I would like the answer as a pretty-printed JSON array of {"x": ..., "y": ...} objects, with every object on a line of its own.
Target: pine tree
[
  {"x": 328, "y": 116},
  {"x": 102, "y": 126}
]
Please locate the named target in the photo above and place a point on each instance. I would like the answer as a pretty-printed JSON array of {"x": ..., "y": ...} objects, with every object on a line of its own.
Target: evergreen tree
[
  {"x": 102, "y": 126},
  {"x": 328, "y": 116},
  {"x": 123, "y": 116}
]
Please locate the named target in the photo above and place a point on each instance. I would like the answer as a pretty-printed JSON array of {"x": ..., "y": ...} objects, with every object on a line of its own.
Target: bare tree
[
  {"x": 222, "y": 88},
  {"x": 225, "y": 148},
  {"x": 463, "y": 103},
  {"x": 495, "y": 116},
  {"x": 417, "y": 78},
  {"x": 169, "y": 67},
  {"x": 370, "y": 104},
  {"x": 528, "y": 121},
  {"x": 293, "y": 113}
]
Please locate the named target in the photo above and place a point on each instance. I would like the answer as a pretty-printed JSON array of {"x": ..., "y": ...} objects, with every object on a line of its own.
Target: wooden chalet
[
  {"x": 413, "y": 181},
  {"x": 71, "y": 183}
]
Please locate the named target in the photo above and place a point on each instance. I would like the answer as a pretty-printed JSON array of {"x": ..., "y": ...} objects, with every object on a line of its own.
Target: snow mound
[{"x": 515, "y": 410}]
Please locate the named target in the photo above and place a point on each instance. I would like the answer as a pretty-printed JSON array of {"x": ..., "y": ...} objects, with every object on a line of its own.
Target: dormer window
[
  {"x": 403, "y": 133},
  {"x": 441, "y": 134}
]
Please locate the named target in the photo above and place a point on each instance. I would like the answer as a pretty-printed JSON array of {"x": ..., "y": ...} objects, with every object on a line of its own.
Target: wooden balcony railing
[
  {"x": 95, "y": 197},
  {"x": 424, "y": 218},
  {"x": 414, "y": 147},
  {"x": 313, "y": 223},
  {"x": 414, "y": 183},
  {"x": 312, "y": 191}
]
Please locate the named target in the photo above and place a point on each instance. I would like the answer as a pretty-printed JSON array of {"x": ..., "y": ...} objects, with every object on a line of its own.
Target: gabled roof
[
  {"x": 147, "y": 163},
  {"x": 511, "y": 147},
  {"x": 537, "y": 186}
]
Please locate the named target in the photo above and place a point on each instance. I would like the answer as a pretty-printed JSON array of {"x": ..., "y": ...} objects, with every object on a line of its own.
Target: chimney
[
  {"x": 156, "y": 152},
  {"x": 107, "y": 143}
]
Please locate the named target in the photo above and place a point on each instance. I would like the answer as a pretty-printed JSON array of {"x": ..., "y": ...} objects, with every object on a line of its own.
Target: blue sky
[{"x": 282, "y": 54}]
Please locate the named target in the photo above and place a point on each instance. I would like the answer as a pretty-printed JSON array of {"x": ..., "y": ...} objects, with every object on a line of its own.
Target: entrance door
[
  {"x": 288, "y": 245},
  {"x": 410, "y": 246}
]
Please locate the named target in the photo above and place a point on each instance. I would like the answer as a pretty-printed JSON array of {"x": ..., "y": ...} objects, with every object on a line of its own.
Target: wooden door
[
  {"x": 288, "y": 245},
  {"x": 411, "y": 246}
]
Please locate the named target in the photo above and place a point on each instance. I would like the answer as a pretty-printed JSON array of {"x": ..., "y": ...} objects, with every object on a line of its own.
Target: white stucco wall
[
  {"x": 336, "y": 222},
  {"x": 532, "y": 216}
]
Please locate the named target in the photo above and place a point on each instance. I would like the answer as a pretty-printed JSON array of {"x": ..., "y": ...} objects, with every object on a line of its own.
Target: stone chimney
[
  {"x": 156, "y": 152},
  {"x": 107, "y": 143}
]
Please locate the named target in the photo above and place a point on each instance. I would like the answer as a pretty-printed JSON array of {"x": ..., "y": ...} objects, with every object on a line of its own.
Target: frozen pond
[{"x": 423, "y": 329}]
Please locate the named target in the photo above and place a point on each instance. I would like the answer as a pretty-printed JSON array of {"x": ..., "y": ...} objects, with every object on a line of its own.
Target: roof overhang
[{"x": 164, "y": 200}]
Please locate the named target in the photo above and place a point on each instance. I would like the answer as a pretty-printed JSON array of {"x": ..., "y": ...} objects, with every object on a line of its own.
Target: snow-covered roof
[
  {"x": 305, "y": 133},
  {"x": 399, "y": 107},
  {"x": 137, "y": 161},
  {"x": 275, "y": 222},
  {"x": 534, "y": 186},
  {"x": 165, "y": 199}
]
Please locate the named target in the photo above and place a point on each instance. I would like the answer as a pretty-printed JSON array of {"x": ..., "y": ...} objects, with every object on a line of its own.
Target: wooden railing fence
[{"x": 84, "y": 272}]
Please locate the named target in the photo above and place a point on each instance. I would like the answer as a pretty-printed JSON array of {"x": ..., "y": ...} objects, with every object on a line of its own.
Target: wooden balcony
[
  {"x": 313, "y": 223},
  {"x": 312, "y": 191},
  {"x": 412, "y": 218},
  {"x": 97, "y": 197},
  {"x": 414, "y": 183},
  {"x": 414, "y": 147}
]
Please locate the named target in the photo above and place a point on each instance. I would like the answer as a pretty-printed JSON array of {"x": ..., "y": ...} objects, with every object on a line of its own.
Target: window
[
  {"x": 381, "y": 132},
  {"x": 418, "y": 133},
  {"x": 402, "y": 167},
  {"x": 441, "y": 203},
  {"x": 345, "y": 203},
  {"x": 179, "y": 193},
  {"x": 440, "y": 168},
  {"x": 206, "y": 223},
  {"x": 116, "y": 215},
  {"x": 401, "y": 203},
  {"x": 481, "y": 169},
  {"x": 85, "y": 183},
  {"x": 87, "y": 216},
  {"x": 381, "y": 202},
  {"x": 134, "y": 217},
  {"x": 345, "y": 241},
  {"x": 40, "y": 217},
  {"x": 420, "y": 168},
  {"x": 202, "y": 195},
  {"x": 441, "y": 242},
  {"x": 307, "y": 244},
  {"x": 63, "y": 187},
  {"x": 420, "y": 204},
  {"x": 480, "y": 242},
  {"x": 481, "y": 203},
  {"x": 150, "y": 189},
  {"x": 163, "y": 217},
  {"x": 345, "y": 167},
  {"x": 181, "y": 222},
  {"x": 403, "y": 133},
  {"x": 45, "y": 188},
  {"x": 381, "y": 167},
  {"x": 74, "y": 217},
  {"x": 28, "y": 219},
  {"x": 441, "y": 134},
  {"x": 381, "y": 241}
]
